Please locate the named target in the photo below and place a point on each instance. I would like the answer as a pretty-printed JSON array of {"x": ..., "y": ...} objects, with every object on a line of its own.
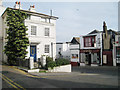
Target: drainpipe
[
  {"x": 52, "y": 49},
  {"x": 79, "y": 54},
  {"x": 101, "y": 50}
]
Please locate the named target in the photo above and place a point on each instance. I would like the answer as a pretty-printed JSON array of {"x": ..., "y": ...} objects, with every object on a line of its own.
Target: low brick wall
[{"x": 64, "y": 68}]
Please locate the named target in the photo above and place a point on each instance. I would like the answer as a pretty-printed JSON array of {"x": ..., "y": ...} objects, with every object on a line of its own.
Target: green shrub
[
  {"x": 48, "y": 59},
  {"x": 62, "y": 61},
  {"x": 51, "y": 64}
]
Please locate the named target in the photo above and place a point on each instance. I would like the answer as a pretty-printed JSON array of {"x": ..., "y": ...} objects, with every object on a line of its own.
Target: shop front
[
  {"x": 118, "y": 55},
  {"x": 90, "y": 57}
]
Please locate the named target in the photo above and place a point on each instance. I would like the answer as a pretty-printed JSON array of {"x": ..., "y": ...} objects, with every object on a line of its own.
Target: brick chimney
[
  {"x": 105, "y": 29},
  {"x": 32, "y": 8},
  {"x": 0, "y": 2},
  {"x": 17, "y": 5}
]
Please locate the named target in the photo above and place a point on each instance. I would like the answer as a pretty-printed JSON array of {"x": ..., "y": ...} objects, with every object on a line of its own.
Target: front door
[{"x": 33, "y": 52}]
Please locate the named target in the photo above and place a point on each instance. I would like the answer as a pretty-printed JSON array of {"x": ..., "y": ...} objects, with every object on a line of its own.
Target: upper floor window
[
  {"x": 89, "y": 41},
  {"x": 47, "y": 32},
  {"x": 33, "y": 30},
  {"x": 47, "y": 48},
  {"x": 118, "y": 39}
]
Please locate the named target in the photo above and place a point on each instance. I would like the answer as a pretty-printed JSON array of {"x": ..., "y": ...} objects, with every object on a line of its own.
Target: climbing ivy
[{"x": 17, "y": 41}]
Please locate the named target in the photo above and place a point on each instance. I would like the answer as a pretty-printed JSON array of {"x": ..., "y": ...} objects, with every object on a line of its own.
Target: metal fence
[{"x": 22, "y": 63}]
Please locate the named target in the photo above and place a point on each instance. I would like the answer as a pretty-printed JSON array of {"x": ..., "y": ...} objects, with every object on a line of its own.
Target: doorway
[{"x": 33, "y": 52}]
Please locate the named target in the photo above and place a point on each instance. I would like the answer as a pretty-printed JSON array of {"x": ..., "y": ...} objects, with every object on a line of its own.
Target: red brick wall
[{"x": 109, "y": 58}]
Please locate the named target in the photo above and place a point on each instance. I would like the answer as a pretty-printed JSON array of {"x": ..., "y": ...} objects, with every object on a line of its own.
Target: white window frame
[
  {"x": 47, "y": 48},
  {"x": 33, "y": 30},
  {"x": 47, "y": 32}
]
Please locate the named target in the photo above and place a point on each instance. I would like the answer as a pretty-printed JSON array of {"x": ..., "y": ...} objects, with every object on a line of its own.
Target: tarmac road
[{"x": 106, "y": 77}]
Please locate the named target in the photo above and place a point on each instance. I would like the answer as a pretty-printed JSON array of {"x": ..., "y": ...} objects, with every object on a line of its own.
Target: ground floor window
[
  {"x": 89, "y": 58},
  {"x": 95, "y": 58},
  {"x": 74, "y": 56},
  {"x": 47, "y": 48},
  {"x": 118, "y": 54}
]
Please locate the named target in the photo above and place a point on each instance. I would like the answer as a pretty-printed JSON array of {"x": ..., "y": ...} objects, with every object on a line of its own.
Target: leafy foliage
[
  {"x": 17, "y": 40},
  {"x": 48, "y": 59},
  {"x": 62, "y": 61},
  {"x": 51, "y": 64}
]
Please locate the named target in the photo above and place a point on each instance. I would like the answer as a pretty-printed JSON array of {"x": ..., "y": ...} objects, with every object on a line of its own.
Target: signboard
[
  {"x": 104, "y": 59},
  {"x": 89, "y": 50}
]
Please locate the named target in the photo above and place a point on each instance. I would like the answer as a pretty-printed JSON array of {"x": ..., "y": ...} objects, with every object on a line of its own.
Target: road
[{"x": 81, "y": 77}]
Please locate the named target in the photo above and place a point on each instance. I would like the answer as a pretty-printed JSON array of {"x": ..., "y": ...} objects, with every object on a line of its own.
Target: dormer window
[{"x": 89, "y": 41}]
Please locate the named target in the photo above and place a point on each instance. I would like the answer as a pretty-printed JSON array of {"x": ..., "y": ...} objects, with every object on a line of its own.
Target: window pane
[
  {"x": 33, "y": 30},
  {"x": 46, "y": 48},
  {"x": 46, "y": 31}
]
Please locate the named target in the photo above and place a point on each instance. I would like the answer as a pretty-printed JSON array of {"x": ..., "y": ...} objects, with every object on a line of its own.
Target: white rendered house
[
  {"x": 2, "y": 9},
  {"x": 41, "y": 33}
]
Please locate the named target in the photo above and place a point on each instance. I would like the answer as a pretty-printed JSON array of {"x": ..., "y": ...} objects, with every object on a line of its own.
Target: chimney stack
[
  {"x": 17, "y": 5},
  {"x": 105, "y": 28},
  {"x": 32, "y": 8},
  {"x": 0, "y": 2}
]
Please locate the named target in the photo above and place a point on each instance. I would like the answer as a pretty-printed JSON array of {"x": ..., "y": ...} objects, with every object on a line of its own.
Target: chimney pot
[
  {"x": 16, "y": 2},
  {"x": 33, "y": 6},
  {"x": 19, "y": 3}
]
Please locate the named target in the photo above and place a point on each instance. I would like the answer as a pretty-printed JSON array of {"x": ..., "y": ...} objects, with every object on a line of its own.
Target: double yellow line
[{"x": 13, "y": 84}]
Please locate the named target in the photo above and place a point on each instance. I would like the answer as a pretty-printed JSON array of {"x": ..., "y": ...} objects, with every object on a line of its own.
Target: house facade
[
  {"x": 2, "y": 9},
  {"x": 75, "y": 51},
  {"x": 63, "y": 50},
  {"x": 41, "y": 33},
  {"x": 69, "y": 50},
  {"x": 96, "y": 48},
  {"x": 108, "y": 40},
  {"x": 116, "y": 51},
  {"x": 91, "y": 49}
]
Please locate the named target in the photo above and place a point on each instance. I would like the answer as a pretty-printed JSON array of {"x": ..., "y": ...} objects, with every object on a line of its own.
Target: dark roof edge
[{"x": 34, "y": 13}]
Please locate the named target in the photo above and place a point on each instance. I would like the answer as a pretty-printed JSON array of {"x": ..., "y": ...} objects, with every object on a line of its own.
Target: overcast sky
[{"x": 77, "y": 18}]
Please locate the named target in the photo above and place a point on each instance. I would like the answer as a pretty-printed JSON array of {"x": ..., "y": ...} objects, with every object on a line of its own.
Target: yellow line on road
[
  {"x": 11, "y": 82},
  {"x": 8, "y": 82}
]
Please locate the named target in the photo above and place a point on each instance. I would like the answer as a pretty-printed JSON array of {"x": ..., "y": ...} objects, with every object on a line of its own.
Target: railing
[{"x": 22, "y": 63}]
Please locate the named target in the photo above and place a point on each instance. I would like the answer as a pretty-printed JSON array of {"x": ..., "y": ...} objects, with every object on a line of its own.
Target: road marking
[
  {"x": 8, "y": 82},
  {"x": 88, "y": 74},
  {"x": 29, "y": 75},
  {"x": 11, "y": 82}
]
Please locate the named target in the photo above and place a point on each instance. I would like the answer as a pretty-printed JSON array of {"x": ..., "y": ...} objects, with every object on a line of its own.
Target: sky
[{"x": 76, "y": 18}]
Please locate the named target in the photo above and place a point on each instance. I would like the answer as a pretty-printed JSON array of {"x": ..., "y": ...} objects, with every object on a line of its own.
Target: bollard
[
  {"x": 31, "y": 64},
  {"x": 43, "y": 62}
]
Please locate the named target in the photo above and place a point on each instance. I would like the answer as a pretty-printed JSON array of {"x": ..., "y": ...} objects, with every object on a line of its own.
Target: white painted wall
[
  {"x": 65, "y": 50},
  {"x": 64, "y": 68},
  {"x": 2, "y": 9},
  {"x": 114, "y": 50},
  {"x": 40, "y": 39},
  {"x": 74, "y": 49}
]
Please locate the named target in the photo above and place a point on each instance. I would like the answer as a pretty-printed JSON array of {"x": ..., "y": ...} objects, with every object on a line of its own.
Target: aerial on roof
[{"x": 33, "y": 13}]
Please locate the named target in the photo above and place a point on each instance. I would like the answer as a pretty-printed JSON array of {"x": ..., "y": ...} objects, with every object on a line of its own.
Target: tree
[{"x": 17, "y": 40}]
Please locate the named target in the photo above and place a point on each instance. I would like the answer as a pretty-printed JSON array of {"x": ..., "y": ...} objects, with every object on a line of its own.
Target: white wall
[
  {"x": 2, "y": 9},
  {"x": 65, "y": 50},
  {"x": 74, "y": 49},
  {"x": 40, "y": 40}
]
